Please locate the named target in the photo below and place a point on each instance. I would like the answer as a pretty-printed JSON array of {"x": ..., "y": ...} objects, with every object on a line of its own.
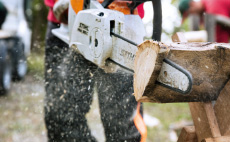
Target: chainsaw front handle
[
  {"x": 157, "y": 17},
  {"x": 157, "y": 20}
]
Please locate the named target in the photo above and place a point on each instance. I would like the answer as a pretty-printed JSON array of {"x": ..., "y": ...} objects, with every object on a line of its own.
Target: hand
[{"x": 60, "y": 10}]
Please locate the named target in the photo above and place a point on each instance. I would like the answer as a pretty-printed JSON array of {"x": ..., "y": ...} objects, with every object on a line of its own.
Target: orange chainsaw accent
[
  {"x": 121, "y": 6},
  {"x": 140, "y": 124},
  {"x": 77, "y": 5}
]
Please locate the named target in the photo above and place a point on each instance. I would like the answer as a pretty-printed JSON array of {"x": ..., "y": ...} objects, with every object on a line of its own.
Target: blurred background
[{"x": 21, "y": 107}]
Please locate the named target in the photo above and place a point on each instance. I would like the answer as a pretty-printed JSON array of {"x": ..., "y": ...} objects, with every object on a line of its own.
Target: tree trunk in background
[{"x": 39, "y": 23}]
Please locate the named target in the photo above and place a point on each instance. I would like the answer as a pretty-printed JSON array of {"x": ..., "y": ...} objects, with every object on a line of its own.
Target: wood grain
[
  {"x": 222, "y": 110},
  {"x": 219, "y": 139},
  {"x": 188, "y": 134},
  {"x": 204, "y": 120},
  {"x": 207, "y": 62}
]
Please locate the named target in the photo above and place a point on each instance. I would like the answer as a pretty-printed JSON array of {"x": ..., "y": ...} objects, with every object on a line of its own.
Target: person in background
[
  {"x": 141, "y": 11},
  {"x": 215, "y": 7},
  {"x": 3, "y": 13},
  {"x": 70, "y": 81}
]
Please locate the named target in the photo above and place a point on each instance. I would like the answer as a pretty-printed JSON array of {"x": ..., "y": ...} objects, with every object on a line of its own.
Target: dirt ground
[
  {"x": 22, "y": 112},
  {"x": 22, "y": 115}
]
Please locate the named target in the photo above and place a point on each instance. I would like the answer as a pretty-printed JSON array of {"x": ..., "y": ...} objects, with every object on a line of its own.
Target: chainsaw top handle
[{"x": 157, "y": 17}]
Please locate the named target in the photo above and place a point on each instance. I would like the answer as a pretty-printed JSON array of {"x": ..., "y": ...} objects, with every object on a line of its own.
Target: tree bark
[
  {"x": 208, "y": 64},
  {"x": 39, "y": 24}
]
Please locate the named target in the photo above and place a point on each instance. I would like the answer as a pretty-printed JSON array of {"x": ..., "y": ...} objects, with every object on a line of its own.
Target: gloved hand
[{"x": 60, "y": 10}]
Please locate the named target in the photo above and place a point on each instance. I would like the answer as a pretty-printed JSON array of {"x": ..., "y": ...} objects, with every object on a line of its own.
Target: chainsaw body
[
  {"x": 91, "y": 35},
  {"x": 89, "y": 32}
]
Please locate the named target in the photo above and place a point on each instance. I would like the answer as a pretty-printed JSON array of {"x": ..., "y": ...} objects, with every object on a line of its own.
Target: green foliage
[
  {"x": 183, "y": 28},
  {"x": 36, "y": 65},
  {"x": 167, "y": 114},
  {"x": 175, "y": 2}
]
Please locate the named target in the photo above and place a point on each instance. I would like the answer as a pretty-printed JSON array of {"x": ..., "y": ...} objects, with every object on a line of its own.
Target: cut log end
[{"x": 144, "y": 66}]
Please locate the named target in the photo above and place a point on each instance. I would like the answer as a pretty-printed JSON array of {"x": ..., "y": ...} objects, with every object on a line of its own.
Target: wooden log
[
  {"x": 202, "y": 114},
  {"x": 204, "y": 120},
  {"x": 219, "y": 139},
  {"x": 179, "y": 37},
  {"x": 208, "y": 64},
  {"x": 222, "y": 110},
  {"x": 196, "y": 36},
  {"x": 149, "y": 60},
  {"x": 192, "y": 36},
  {"x": 188, "y": 134}
]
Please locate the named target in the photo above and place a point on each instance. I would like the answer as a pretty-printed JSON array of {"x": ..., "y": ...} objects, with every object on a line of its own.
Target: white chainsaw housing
[{"x": 89, "y": 34}]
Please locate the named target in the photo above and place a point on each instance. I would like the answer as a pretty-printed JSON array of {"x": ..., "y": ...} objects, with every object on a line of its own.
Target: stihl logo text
[
  {"x": 83, "y": 28},
  {"x": 127, "y": 54}
]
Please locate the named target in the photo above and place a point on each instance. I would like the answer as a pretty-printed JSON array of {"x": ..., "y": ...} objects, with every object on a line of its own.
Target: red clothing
[
  {"x": 52, "y": 18},
  {"x": 50, "y": 4},
  {"x": 219, "y": 7},
  {"x": 140, "y": 9}
]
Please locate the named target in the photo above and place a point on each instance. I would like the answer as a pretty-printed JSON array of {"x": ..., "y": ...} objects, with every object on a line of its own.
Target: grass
[
  {"x": 22, "y": 114},
  {"x": 22, "y": 111},
  {"x": 36, "y": 65},
  {"x": 167, "y": 114}
]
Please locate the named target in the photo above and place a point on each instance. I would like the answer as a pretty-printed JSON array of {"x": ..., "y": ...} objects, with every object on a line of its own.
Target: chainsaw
[{"x": 109, "y": 38}]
